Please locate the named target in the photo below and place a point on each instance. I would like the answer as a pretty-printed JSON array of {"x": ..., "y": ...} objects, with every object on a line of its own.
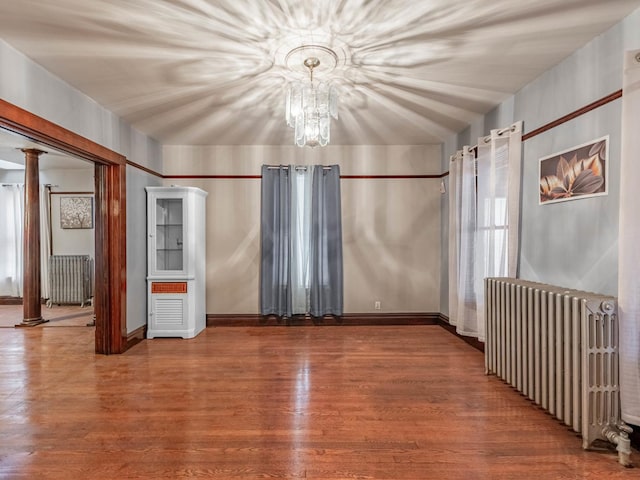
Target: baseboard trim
[
  {"x": 18, "y": 301},
  {"x": 371, "y": 319},
  {"x": 419, "y": 318},
  {"x": 443, "y": 321},
  {"x": 10, "y": 300},
  {"x": 136, "y": 336}
]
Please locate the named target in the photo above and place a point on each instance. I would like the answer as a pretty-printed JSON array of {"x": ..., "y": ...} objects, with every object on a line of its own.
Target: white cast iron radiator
[
  {"x": 70, "y": 279},
  {"x": 559, "y": 348}
]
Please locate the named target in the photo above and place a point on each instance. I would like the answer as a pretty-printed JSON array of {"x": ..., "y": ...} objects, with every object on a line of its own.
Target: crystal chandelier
[{"x": 309, "y": 108}]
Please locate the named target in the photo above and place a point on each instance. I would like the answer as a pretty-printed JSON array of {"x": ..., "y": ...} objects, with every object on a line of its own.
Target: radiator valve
[
  {"x": 607, "y": 307},
  {"x": 620, "y": 437}
]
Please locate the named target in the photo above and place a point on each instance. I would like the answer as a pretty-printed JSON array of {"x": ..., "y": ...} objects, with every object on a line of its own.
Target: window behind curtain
[
  {"x": 11, "y": 239},
  {"x": 484, "y": 206},
  {"x": 301, "y": 241},
  {"x": 300, "y": 238}
]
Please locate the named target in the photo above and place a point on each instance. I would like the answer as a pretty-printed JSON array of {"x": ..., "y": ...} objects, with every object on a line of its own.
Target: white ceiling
[
  {"x": 213, "y": 71},
  {"x": 12, "y": 157}
]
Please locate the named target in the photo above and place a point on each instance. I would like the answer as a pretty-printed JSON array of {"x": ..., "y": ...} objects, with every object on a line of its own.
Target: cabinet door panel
[
  {"x": 169, "y": 235},
  {"x": 168, "y": 312}
]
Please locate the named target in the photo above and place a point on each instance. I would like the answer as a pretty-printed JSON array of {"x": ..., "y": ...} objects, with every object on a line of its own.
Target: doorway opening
[{"x": 109, "y": 295}]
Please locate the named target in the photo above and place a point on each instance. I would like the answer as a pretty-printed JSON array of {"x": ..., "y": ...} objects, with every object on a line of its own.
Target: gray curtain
[
  {"x": 324, "y": 243},
  {"x": 325, "y": 286},
  {"x": 275, "y": 274}
]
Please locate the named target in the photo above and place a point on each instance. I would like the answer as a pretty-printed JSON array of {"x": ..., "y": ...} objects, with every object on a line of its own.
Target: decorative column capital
[{"x": 33, "y": 151}]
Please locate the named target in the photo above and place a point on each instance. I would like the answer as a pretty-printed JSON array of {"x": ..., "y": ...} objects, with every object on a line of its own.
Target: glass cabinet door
[{"x": 169, "y": 234}]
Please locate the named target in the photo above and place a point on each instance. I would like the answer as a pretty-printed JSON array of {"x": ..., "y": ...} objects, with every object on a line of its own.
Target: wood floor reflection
[
  {"x": 388, "y": 402},
  {"x": 56, "y": 316}
]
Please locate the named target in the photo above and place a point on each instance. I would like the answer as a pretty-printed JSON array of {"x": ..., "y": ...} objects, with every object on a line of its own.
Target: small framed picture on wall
[
  {"x": 579, "y": 172},
  {"x": 76, "y": 212}
]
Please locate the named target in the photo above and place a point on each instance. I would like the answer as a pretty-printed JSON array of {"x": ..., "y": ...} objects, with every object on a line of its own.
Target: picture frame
[
  {"x": 76, "y": 212},
  {"x": 576, "y": 173}
]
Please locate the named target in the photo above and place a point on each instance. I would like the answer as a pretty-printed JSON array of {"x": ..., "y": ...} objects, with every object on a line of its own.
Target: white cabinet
[{"x": 176, "y": 261}]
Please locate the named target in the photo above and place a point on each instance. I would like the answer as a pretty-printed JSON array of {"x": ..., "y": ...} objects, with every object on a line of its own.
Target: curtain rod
[
  {"x": 487, "y": 139},
  {"x": 298, "y": 167}
]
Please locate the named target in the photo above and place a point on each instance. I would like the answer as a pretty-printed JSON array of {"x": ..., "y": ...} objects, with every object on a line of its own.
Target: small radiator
[
  {"x": 70, "y": 279},
  {"x": 559, "y": 348}
]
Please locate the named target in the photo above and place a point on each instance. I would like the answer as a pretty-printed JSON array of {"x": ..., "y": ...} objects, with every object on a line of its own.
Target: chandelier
[{"x": 310, "y": 106}]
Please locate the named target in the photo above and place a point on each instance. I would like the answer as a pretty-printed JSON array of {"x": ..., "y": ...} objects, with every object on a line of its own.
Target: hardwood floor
[
  {"x": 56, "y": 316},
  {"x": 388, "y": 402}
]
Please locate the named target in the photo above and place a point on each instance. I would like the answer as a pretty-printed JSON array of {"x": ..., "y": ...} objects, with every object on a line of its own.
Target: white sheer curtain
[
  {"x": 300, "y": 238},
  {"x": 12, "y": 235},
  {"x": 45, "y": 239},
  {"x": 11, "y": 238},
  {"x": 629, "y": 238},
  {"x": 462, "y": 298},
  {"x": 455, "y": 175},
  {"x": 484, "y": 210},
  {"x": 497, "y": 242}
]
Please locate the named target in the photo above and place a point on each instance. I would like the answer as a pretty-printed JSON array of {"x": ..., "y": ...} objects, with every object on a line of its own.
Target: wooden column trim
[
  {"x": 31, "y": 289},
  {"x": 110, "y": 258},
  {"x": 38, "y": 129}
]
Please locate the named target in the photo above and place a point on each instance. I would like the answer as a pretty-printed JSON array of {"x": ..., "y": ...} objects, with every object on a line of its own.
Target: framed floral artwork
[
  {"x": 76, "y": 212},
  {"x": 579, "y": 172}
]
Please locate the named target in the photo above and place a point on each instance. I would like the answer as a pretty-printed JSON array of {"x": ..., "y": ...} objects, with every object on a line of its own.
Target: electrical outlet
[{"x": 377, "y": 305}]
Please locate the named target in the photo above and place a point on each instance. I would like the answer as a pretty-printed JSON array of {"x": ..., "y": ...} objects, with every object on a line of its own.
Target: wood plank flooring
[
  {"x": 57, "y": 316},
  {"x": 388, "y": 402}
]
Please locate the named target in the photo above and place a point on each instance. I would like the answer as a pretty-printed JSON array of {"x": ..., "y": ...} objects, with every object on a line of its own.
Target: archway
[{"x": 110, "y": 218}]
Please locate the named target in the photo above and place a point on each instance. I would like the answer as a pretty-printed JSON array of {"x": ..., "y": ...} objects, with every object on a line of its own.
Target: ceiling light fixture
[{"x": 310, "y": 106}]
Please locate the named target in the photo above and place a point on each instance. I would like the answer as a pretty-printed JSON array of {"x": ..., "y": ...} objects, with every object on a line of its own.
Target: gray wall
[
  {"x": 572, "y": 244},
  {"x": 137, "y": 245},
  {"x": 70, "y": 241},
  {"x": 29, "y": 86},
  {"x": 391, "y": 227}
]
